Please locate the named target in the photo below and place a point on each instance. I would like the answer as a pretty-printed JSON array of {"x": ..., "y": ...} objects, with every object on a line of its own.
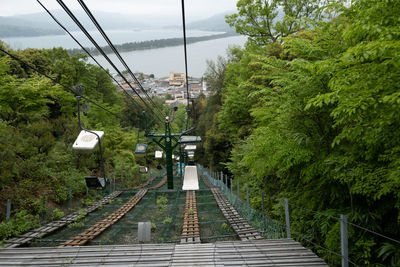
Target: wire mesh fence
[
  {"x": 269, "y": 228},
  {"x": 163, "y": 207}
]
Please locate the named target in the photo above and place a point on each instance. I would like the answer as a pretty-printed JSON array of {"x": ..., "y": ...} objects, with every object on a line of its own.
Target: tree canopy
[
  {"x": 38, "y": 126},
  {"x": 309, "y": 110}
]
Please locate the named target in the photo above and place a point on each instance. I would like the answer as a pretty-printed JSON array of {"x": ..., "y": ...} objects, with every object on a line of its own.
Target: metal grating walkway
[{"x": 282, "y": 252}]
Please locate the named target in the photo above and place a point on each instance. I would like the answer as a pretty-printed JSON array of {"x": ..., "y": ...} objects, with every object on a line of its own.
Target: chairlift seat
[
  {"x": 189, "y": 139},
  {"x": 190, "y": 180},
  {"x": 143, "y": 169},
  {"x": 158, "y": 154},
  {"x": 87, "y": 140},
  {"x": 190, "y": 147},
  {"x": 141, "y": 148},
  {"x": 95, "y": 182}
]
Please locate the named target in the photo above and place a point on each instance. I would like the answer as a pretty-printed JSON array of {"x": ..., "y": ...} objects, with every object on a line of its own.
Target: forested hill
[
  {"x": 16, "y": 31},
  {"x": 37, "y": 24},
  {"x": 38, "y": 126},
  {"x": 309, "y": 110},
  {"x": 214, "y": 23},
  {"x": 153, "y": 44}
]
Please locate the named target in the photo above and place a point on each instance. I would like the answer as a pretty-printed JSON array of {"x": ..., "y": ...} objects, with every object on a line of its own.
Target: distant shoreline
[{"x": 152, "y": 44}]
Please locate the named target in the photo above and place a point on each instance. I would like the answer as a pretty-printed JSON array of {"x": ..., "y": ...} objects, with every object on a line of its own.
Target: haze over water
[
  {"x": 159, "y": 62},
  {"x": 162, "y": 61}
]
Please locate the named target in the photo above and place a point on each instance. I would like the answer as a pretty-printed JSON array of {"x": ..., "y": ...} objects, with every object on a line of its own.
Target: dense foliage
[
  {"x": 38, "y": 125},
  {"x": 312, "y": 114}
]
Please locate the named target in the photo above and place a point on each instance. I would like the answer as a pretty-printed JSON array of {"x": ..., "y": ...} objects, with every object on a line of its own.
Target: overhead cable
[
  {"x": 55, "y": 81},
  {"x": 91, "y": 56},
  {"x": 186, "y": 75},
  {"x": 185, "y": 51},
  {"x": 111, "y": 45},
  {"x": 83, "y": 29},
  {"x": 353, "y": 224}
]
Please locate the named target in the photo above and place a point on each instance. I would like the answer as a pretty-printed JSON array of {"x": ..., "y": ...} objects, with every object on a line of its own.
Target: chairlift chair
[
  {"x": 143, "y": 169},
  {"x": 95, "y": 182},
  {"x": 158, "y": 154},
  {"x": 87, "y": 140},
  {"x": 141, "y": 149}
]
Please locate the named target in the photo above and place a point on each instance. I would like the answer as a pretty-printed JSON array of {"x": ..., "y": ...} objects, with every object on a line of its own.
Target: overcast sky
[{"x": 195, "y": 9}]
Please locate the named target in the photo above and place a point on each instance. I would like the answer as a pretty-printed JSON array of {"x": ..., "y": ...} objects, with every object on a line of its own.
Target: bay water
[{"x": 160, "y": 61}]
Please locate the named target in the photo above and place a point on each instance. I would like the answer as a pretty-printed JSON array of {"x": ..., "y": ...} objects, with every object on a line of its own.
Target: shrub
[
  {"x": 19, "y": 223},
  {"x": 162, "y": 202},
  {"x": 57, "y": 214},
  {"x": 167, "y": 220}
]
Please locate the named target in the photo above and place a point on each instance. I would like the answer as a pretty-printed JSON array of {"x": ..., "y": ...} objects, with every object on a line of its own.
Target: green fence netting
[
  {"x": 162, "y": 207},
  {"x": 269, "y": 228}
]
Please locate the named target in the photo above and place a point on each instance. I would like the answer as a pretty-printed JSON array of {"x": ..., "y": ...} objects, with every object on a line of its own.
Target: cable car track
[
  {"x": 149, "y": 181},
  {"x": 244, "y": 230},
  {"x": 52, "y": 226},
  {"x": 55, "y": 225},
  {"x": 190, "y": 229},
  {"x": 89, "y": 234}
]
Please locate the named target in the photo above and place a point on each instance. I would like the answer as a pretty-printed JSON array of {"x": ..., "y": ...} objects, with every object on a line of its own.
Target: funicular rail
[
  {"x": 68, "y": 219},
  {"x": 190, "y": 230},
  {"x": 89, "y": 234},
  {"x": 149, "y": 181},
  {"x": 55, "y": 225},
  {"x": 239, "y": 225}
]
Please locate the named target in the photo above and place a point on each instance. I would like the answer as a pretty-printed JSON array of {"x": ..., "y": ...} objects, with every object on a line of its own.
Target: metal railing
[
  {"x": 272, "y": 229},
  {"x": 268, "y": 228}
]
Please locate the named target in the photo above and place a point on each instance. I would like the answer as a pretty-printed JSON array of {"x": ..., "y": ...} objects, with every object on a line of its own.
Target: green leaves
[
  {"x": 38, "y": 126},
  {"x": 267, "y": 22},
  {"x": 20, "y": 222},
  {"x": 316, "y": 117}
]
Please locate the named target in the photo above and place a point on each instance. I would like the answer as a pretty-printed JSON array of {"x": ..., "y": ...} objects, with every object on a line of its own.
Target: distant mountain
[
  {"x": 36, "y": 24},
  {"x": 43, "y": 24},
  {"x": 13, "y": 27},
  {"x": 44, "y": 21},
  {"x": 214, "y": 23},
  {"x": 17, "y": 31}
]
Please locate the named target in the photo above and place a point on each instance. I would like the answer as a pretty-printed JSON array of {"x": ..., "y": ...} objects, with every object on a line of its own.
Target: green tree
[
  {"x": 318, "y": 126},
  {"x": 269, "y": 21},
  {"x": 38, "y": 125}
]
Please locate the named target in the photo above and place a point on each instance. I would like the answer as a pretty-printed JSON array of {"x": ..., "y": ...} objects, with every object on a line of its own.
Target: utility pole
[
  {"x": 168, "y": 142},
  {"x": 165, "y": 142}
]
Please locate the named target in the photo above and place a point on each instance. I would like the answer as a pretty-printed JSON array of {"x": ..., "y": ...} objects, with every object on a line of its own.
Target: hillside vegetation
[
  {"x": 38, "y": 126},
  {"x": 309, "y": 110}
]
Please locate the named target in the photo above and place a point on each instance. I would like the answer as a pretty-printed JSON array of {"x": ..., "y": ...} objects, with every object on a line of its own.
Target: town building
[{"x": 177, "y": 79}]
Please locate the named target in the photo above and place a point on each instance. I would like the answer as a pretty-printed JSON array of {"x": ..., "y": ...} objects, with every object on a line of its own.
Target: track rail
[
  {"x": 55, "y": 225},
  {"x": 149, "y": 181},
  {"x": 50, "y": 227},
  {"x": 190, "y": 230},
  {"x": 89, "y": 234},
  {"x": 244, "y": 230}
]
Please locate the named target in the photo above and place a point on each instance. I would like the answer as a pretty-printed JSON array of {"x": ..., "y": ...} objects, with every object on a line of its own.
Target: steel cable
[
  {"x": 87, "y": 52},
  {"x": 353, "y": 224},
  {"x": 55, "y": 81},
  {"x": 83, "y": 29},
  {"x": 111, "y": 45}
]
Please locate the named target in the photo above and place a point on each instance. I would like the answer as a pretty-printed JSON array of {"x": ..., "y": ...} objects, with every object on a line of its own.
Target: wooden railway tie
[
  {"x": 89, "y": 234},
  {"x": 190, "y": 229}
]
